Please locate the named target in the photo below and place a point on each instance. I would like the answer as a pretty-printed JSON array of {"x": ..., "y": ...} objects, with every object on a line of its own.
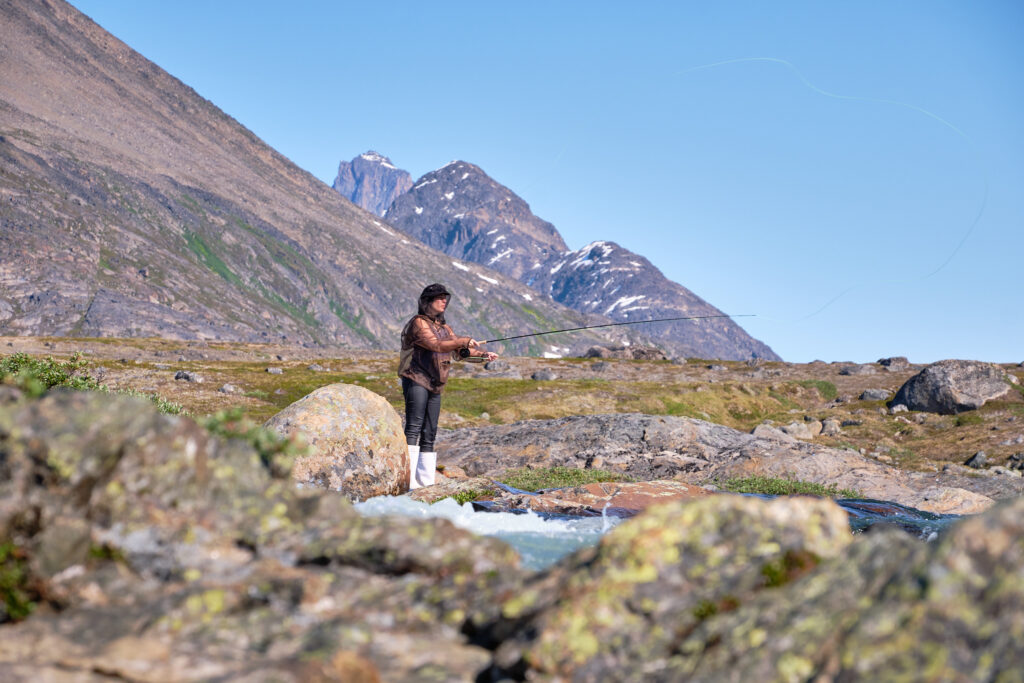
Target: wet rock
[
  {"x": 875, "y": 395},
  {"x": 977, "y": 461},
  {"x": 952, "y": 386},
  {"x": 357, "y": 438},
  {"x": 187, "y": 376}
]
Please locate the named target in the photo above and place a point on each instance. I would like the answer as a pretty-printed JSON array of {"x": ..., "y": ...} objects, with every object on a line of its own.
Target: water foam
[{"x": 540, "y": 541}]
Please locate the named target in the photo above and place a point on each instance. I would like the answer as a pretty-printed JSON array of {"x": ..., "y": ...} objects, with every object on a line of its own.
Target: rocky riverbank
[{"x": 138, "y": 546}]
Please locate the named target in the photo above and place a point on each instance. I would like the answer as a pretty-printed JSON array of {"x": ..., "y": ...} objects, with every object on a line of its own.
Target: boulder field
[{"x": 136, "y": 546}]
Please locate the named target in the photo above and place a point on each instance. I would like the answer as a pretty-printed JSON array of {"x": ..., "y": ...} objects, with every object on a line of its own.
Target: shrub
[{"x": 277, "y": 453}]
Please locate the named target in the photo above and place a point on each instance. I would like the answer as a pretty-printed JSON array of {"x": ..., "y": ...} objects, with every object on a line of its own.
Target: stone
[
  {"x": 357, "y": 438},
  {"x": 764, "y": 431},
  {"x": 895, "y": 363},
  {"x": 544, "y": 375},
  {"x": 275, "y": 371},
  {"x": 803, "y": 430},
  {"x": 977, "y": 461},
  {"x": 897, "y": 408},
  {"x": 1016, "y": 461},
  {"x": 952, "y": 386},
  {"x": 858, "y": 370},
  {"x": 185, "y": 375},
  {"x": 875, "y": 395},
  {"x": 316, "y": 367},
  {"x": 229, "y": 389},
  {"x": 831, "y": 427},
  {"x": 716, "y": 368},
  {"x": 851, "y": 423}
]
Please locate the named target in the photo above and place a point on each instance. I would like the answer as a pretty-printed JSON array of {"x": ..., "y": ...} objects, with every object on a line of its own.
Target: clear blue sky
[{"x": 870, "y": 151}]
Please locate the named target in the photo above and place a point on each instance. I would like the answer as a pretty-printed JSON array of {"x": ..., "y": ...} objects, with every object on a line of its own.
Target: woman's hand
[
  {"x": 473, "y": 343},
  {"x": 490, "y": 355}
]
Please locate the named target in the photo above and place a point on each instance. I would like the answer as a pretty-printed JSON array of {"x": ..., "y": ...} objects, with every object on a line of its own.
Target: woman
[{"x": 428, "y": 347}]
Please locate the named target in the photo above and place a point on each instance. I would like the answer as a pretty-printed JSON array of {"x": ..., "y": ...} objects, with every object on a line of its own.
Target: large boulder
[
  {"x": 357, "y": 441},
  {"x": 952, "y": 386}
]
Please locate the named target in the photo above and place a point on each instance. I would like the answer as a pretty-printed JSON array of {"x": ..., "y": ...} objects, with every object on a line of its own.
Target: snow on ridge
[
  {"x": 634, "y": 263},
  {"x": 491, "y": 232},
  {"x": 460, "y": 266},
  {"x": 418, "y": 210},
  {"x": 527, "y": 297},
  {"x": 464, "y": 176},
  {"x": 487, "y": 279},
  {"x": 453, "y": 161},
  {"x": 535, "y": 266},
  {"x": 449, "y": 195},
  {"x": 496, "y": 240},
  {"x": 425, "y": 182},
  {"x": 557, "y": 268},
  {"x": 500, "y": 256},
  {"x": 377, "y": 223}
]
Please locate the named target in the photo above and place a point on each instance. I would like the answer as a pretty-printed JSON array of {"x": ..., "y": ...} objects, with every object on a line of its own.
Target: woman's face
[{"x": 437, "y": 306}]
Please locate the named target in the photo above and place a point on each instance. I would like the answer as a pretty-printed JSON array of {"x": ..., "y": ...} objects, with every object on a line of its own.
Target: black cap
[{"x": 431, "y": 292}]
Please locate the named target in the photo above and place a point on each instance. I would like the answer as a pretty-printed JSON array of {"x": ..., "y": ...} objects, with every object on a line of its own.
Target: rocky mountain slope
[
  {"x": 462, "y": 211},
  {"x": 131, "y": 206},
  {"x": 371, "y": 181}
]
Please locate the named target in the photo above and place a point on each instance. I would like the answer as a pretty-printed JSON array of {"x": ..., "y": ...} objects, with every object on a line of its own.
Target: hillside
[{"x": 131, "y": 206}]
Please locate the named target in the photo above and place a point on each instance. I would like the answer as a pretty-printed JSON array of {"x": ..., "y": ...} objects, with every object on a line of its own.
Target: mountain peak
[{"x": 371, "y": 181}]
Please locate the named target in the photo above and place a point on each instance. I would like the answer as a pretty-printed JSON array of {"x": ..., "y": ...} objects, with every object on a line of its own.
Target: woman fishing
[{"x": 428, "y": 347}]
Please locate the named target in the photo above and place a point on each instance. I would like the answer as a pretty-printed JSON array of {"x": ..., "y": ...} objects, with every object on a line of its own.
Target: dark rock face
[
  {"x": 952, "y": 386},
  {"x": 463, "y": 212},
  {"x": 460, "y": 210},
  {"x": 371, "y": 181}
]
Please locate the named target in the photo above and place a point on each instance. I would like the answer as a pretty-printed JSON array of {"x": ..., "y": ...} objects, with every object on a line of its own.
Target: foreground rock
[
  {"x": 357, "y": 441},
  {"x": 650, "y": 447},
  {"x": 155, "y": 552},
  {"x": 158, "y": 553},
  {"x": 732, "y": 588},
  {"x": 952, "y": 386}
]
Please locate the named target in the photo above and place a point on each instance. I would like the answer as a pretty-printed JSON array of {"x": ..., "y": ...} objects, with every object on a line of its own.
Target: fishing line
[{"x": 803, "y": 79}]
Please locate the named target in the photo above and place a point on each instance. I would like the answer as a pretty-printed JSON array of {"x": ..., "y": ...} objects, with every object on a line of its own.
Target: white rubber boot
[
  {"x": 426, "y": 468},
  {"x": 414, "y": 461}
]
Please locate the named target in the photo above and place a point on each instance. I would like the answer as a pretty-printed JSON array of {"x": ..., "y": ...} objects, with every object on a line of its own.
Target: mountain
[
  {"x": 131, "y": 206},
  {"x": 460, "y": 210},
  {"x": 371, "y": 181}
]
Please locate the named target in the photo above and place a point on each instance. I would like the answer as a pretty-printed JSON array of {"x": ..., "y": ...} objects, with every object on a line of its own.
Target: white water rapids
[{"x": 539, "y": 541}]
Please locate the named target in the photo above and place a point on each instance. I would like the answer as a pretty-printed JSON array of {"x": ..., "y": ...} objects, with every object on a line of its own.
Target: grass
[
  {"x": 211, "y": 260},
  {"x": 827, "y": 390},
  {"x": 36, "y": 376},
  {"x": 964, "y": 419},
  {"x": 528, "y": 479},
  {"x": 774, "y": 486},
  {"x": 17, "y": 598}
]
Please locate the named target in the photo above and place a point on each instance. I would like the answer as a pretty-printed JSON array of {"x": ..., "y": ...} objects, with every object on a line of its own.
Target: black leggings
[{"x": 422, "y": 408}]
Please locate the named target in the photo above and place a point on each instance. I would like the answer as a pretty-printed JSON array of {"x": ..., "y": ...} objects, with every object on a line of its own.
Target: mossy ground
[
  {"x": 774, "y": 486},
  {"x": 737, "y": 396}
]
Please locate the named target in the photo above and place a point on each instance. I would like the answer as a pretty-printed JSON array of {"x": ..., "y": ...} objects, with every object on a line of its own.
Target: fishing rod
[{"x": 465, "y": 352}]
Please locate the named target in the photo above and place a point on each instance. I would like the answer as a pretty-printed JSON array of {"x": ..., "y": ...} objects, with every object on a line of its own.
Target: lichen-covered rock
[
  {"x": 357, "y": 441},
  {"x": 156, "y": 552},
  {"x": 952, "y": 386},
  {"x": 618, "y": 611}
]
